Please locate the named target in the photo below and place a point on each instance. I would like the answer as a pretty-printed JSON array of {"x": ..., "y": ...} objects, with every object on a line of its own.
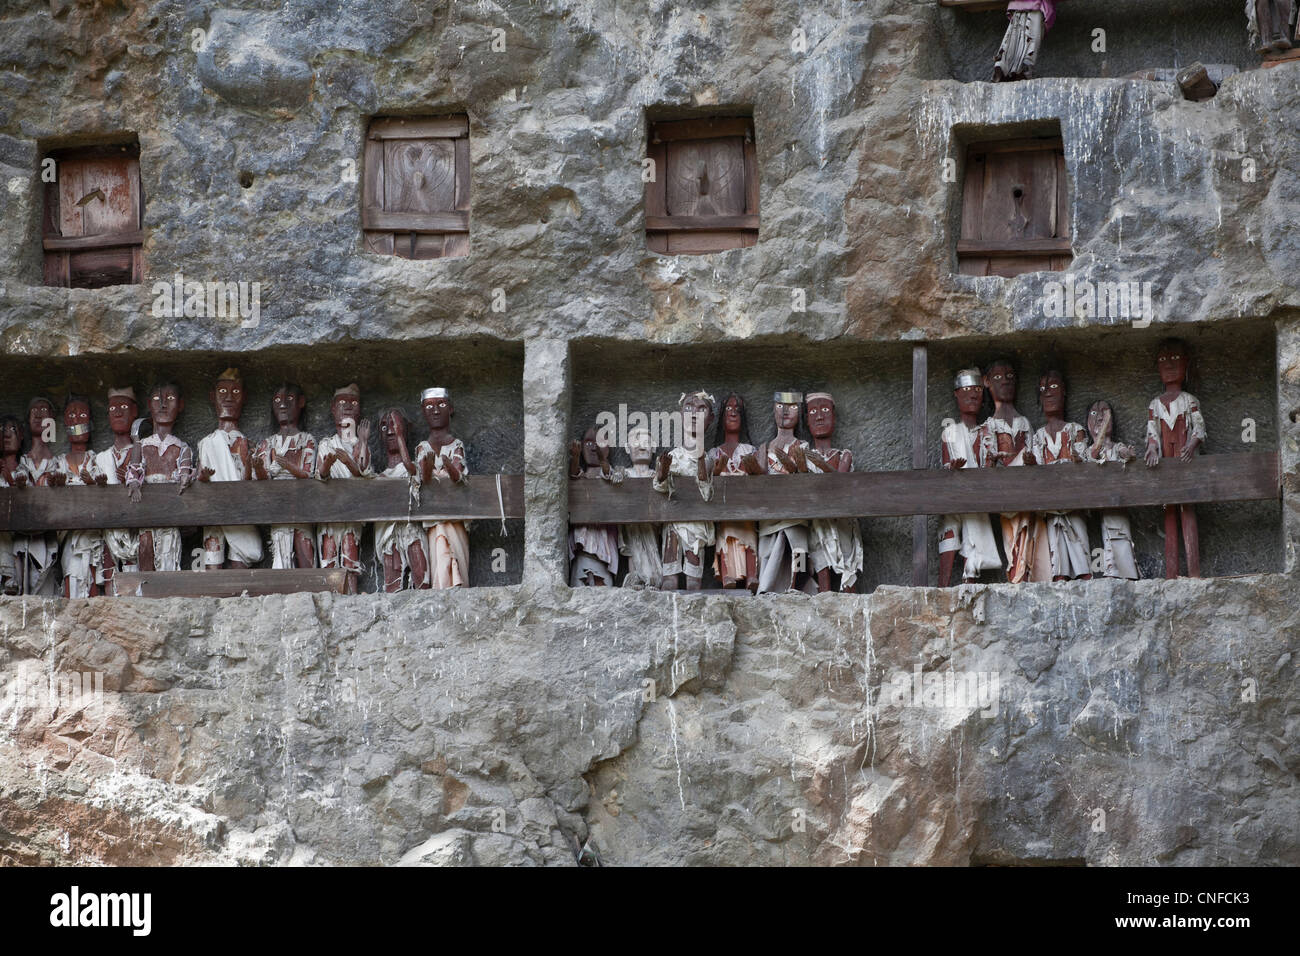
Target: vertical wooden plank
[
  {"x": 70, "y": 181},
  {"x": 372, "y": 194},
  {"x": 655, "y": 193},
  {"x": 462, "y": 173},
  {"x": 751, "y": 178},
  {"x": 920, "y": 537},
  {"x": 1062, "y": 198}
]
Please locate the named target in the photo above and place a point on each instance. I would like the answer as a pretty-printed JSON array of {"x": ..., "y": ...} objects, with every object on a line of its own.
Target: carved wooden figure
[
  {"x": 161, "y": 458},
  {"x": 593, "y": 548},
  {"x": 225, "y": 455},
  {"x": 288, "y": 454},
  {"x": 835, "y": 543},
  {"x": 962, "y": 446},
  {"x": 735, "y": 558},
  {"x": 1030, "y": 20},
  {"x": 80, "y": 552},
  {"x": 442, "y": 455},
  {"x": 121, "y": 545},
  {"x": 783, "y": 544},
  {"x": 685, "y": 541},
  {"x": 1176, "y": 429},
  {"x": 1116, "y": 533},
  {"x": 639, "y": 542},
  {"x": 1273, "y": 24},
  {"x": 1062, "y": 549},
  {"x": 399, "y": 545},
  {"x": 345, "y": 454},
  {"x": 11, "y": 449},
  {"x": 37, "y": 554},
  {"x": 1006, "y": 435}
]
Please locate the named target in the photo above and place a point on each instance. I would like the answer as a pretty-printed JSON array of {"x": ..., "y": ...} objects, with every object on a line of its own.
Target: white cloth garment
[
  {"x": 123, "y": 544},
  {"x": 972, "y": 534},
  {"x": 1064, "y": 533},
  {"x": 238, "y": 542},
  {"x": 448, "y": 540},
  {"x": 36, "y": 556},
  {"x": 282, "y": 553},
  {"x": 81, "y": 553},
  {"x": 1116, "y": 533},
  {"x": 693, "y": 536},
  {"x": 782, "y": 543},
  {"x": 340, "y": 530},
  {"x": 836, "y": 543},
  {"x": 167, "y": 541},
  {"x": 396, "y": 537}
]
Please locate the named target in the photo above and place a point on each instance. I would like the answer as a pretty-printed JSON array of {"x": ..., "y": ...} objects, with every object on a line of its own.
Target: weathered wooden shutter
[
  {"x": 705, "y": 194},
  {"x": 415, "y": 194},
  {"x": 1015, "y": 213},
  {"x": 91, "y": 229}
]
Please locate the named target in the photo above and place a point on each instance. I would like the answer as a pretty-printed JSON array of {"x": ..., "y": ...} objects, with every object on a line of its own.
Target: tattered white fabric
[
  {"x": 167, "y": 541},
  {"x": 448, "y": 540},
  {"x": 339, "y": 531},
  {"x": 37, "y": 555},
  {"x": 81, "y": 553},
  {"x": 1185, "y": 406},
  {"x": 693, "y": 536},
  {"x": 1117, "y": 558},
  {"x": 240, "y": 542},
  {"x": 1020, "y": 45},
  {"x": 971, "y": 535},
  {"x": 1061, "y": 536},
  {"x": 123, "y": 544},
  {"x": 782, "y": 543},
  {"x": 396, "y": 537},
  {"x": 836, "y": 543},
  {"x": 282, "y": 553}
]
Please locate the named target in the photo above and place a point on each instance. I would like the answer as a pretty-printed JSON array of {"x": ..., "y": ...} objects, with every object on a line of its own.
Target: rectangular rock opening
[
  {"x": 1153, "y": 35},
  {"x": 1234, "y": 378},
  {"x": 483, "y": 376}
]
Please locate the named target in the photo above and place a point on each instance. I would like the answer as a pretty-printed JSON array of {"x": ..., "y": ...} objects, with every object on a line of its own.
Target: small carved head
[{"x": 166, "y": 403}]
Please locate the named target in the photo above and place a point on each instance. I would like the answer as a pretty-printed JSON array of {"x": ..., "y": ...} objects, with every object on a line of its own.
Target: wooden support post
[{"x": 920, "y": 537}]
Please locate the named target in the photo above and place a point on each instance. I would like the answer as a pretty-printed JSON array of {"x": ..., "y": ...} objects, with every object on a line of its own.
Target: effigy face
[
  {"x": 287, "y": 406},
  {"x": 165, "y": 405},
  {"x": 227, "y": 399},
  {"x": 821, "y": 417}
]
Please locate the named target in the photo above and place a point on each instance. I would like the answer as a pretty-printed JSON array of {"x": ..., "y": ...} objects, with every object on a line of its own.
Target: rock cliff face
[
  {"x": 1103, "y": 722},
  {"x": 1098, "y": 722}
]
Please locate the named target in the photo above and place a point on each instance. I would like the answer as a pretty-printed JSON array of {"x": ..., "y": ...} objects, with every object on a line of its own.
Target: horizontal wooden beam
[
  {"x": 397, "y": 127},
  {"x": 256, "y": 502},
  {"x": 103, "y": 241},
  {"x": 228, "y": 582},
  {"x": 707, "y": 128},
  {"x": 449, "y": 221},
  {"x": 975, "y": 6},
  {"x": 1019, "y": 247},
  {"x": 1025, "y": 144},
  {"x": 1249, "y": 476},
  {"x": 699, "y": 223}
]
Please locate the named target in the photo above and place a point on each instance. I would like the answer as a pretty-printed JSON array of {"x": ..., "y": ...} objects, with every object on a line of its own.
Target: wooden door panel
[
  {"x": 706, "y": 177},
  {"x": 419, "y": 175},
  {"x": 1019, "y": 196},
  {"x": 104, "y": 194}
]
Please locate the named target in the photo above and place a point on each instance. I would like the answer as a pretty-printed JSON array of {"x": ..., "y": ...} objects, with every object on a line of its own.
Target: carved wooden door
[
  {"x": 1015, "y": 211},
  {"x": 93, "y": 211},
  {"x": 415, "y": 196},
  {"x": 705, "y": 194}
]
